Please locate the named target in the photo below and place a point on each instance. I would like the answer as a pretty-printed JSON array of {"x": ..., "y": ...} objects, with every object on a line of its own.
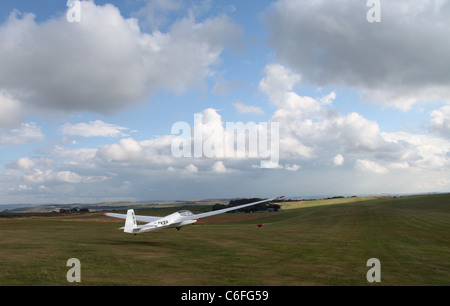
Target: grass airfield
[{"x": 325, "y": 242}]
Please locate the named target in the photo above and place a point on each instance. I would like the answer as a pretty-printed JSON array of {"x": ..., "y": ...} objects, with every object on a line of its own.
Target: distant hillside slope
[{"x": 120, "y": 205}]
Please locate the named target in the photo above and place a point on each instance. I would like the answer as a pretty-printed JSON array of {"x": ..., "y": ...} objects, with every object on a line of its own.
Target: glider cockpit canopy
[{"x": 185, "y": 213}]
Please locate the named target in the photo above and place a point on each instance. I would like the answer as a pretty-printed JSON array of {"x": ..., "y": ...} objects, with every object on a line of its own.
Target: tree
[
  {"x": 218, "y": 206},
  {"x": 249, "y": 209}
]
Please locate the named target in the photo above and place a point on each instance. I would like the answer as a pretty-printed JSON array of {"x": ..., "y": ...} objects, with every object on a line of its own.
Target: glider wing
[{"x": 221, "y": 211}]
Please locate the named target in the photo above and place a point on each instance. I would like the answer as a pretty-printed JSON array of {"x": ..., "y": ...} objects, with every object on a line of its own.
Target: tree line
[
  {"x": 70, "y": 210},
  {"x": 267, "y": 206}
]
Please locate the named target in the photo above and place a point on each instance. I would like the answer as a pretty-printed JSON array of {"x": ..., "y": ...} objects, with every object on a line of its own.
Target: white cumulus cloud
[
  {"x": 26, "y": 133},
  {"x": 440, "y": 121},
  {"x": 93, "y": 128},
  {"x": 10, "y": 111},
  {"x": 371, "y": 166},
  {"x": 247, "y": 109},
  {"x": 333, "y": 44},
  {"x": 219, "y": 167},
  {"x": 338, "y": 160},
  {"x": 23, "y": 163},
  {"x": 105, "y": 63}
]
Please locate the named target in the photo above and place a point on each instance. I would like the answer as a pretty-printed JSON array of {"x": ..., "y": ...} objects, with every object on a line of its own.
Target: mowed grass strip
[{"x": 315, "y": 245}]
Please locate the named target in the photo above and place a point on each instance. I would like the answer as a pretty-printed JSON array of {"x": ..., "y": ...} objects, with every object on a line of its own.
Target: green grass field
[{"x": 322, "y": 243}]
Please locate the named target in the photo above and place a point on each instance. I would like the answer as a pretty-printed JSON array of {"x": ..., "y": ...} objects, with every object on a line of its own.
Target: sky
[{"x": 134, "y": 99}]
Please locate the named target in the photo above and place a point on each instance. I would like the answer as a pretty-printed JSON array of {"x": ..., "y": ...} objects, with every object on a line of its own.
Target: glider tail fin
[{"x": 130, "y": 223}]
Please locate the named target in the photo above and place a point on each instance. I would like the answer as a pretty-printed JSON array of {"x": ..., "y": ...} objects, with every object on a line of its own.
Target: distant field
[
  {"x": 312, "y": 243},
  {"x": 322, "y": 202}
]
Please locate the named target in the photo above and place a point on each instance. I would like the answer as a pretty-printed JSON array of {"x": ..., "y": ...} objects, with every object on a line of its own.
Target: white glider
[{"x": 176, "y": 220}]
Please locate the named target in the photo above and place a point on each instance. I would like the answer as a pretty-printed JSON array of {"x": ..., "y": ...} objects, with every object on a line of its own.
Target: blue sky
[{"x": 87, "y": 108}]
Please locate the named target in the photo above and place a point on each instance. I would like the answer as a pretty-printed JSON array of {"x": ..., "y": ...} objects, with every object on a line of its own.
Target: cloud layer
[
  {"x": 104, "y": 63},
  {"x": 108, "y": 63},
  {"x": 317, "y": 144},
  {"x": 399, "y": 61}
]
